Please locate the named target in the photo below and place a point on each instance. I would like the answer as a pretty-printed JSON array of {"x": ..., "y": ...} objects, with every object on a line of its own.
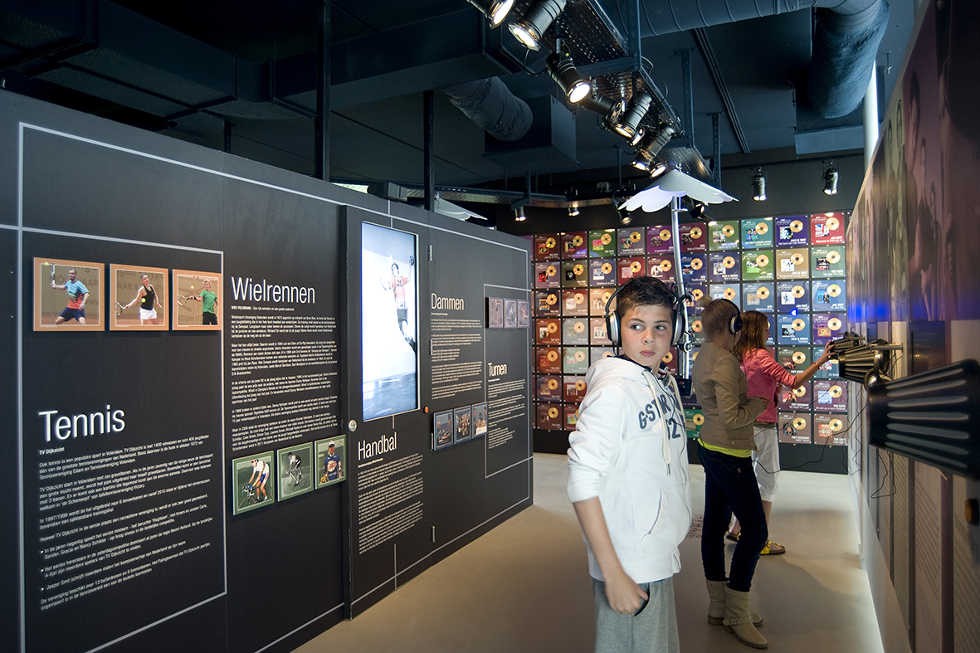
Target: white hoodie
[{"x": 629, "y": 449}]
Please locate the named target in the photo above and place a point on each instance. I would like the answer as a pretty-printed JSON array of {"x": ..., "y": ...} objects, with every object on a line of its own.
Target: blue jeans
[{"x": 730, "y": 487}]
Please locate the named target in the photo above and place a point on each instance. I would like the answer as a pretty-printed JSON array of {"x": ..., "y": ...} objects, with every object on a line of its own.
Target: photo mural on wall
[{"x": 792, "y": 268}]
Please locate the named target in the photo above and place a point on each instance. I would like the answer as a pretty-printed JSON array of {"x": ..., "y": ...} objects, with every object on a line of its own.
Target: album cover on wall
[
  {"x": 758, "y": 266},
  {"x": 792, "y": 230},
  {"x": 793, "y": 263},
  {"x": 546, "y": 247},
  {"x": 546, "y": 303},
  {"x": 827, "y": 262},
  {"x": 729, "y": 291},
  {"x": 629, "y": 267},
  {"x": 602, "y": 272},
  {"x": 548, "y": 387},
  {"x": 598, "y": 353},
  {"x": 757, "y": 233},
  {"x": 575, "y": 360},
  {"x": 796, "y": 399},
  {"x": 758, "y": 297},
  {"x": 547, "y": 275},
  {"x": 575, "y": 331},
  {"x": 827, "y": 327},
  {"x": 829, "y": 429},
  {"x": 574, "y": 274},
  {"x": 827, "y": 229},
  {"x": 723, "y": 235},
  {"x": 547, "y": 331},
  {"x": 573, "y": 388},
  {"x": 830, "y": 395},
  {"x": 723, "y": 267},
  {"x": 660, "y": 239},
  {"x": 693, "y": 267},
  {"x": 598, "y": 334},
  {"x": 574, "y": 244},
  {"x": 631, "y": 241},
  {"x": 793, "y": 329},
  {"x": 575, "y": 302},
  {"x": 829, "y": 295},
  {"x": 794, "y": 428},
  {"x": 661, "y": 267},
  {"x": 792, "y": 296},
  {"x": 693, "y": 237},
  {"x": 602, "y": 243}
]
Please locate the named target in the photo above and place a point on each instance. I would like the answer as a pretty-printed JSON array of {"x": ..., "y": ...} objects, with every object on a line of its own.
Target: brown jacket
[{"x": 728, "y": 412}]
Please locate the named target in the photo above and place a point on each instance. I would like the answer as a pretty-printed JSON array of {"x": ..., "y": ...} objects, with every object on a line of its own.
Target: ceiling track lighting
[
  {"x": 539, "y": 17},
  {"x": 830, "y": 178},
  {"x": 630, "y": 121},
  {"x": 650, "y": 145},
  {"x": 495, "y": 10},
  {"x": 519, "y": 215},
  {"x": 573, "y": 211},
  {"x": 561, "y": 67},
  {"x": 759, "y": 185}
]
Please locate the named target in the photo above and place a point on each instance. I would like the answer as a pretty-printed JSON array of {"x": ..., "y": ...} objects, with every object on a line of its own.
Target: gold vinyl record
[
  {"x": 696, "y": 263},
  {"x": 577, "y": 241},
  {"x": 833, "y": 290},
  {"x": 796, "y": 226},
  {"x": 729, "y": 294},
  {"x": 606, "y": 268},
  {"x": 834, "y": 324},
  {"x": 728, "y": 262},
  {"x": 835, "y": 391},
  {"x": 665, "y": 234},
  {"x": 761, "y": 261},
  {"x": 799, "y": 392},
  {"x": 635, "y": 236},
  {"x": 605, "y": 297},
  {"x": 697, "y": 294},
  {"x": 696, "y": 326},
  {"x": 833, "y": 224},
  {"x": 578, "y": 327},
  {"x": 796, "y": 258},
  {"x": 835, "y": 425},
  {"x": 551, "y": 299},
  {"x": 799, "y": 423},
  {"x": 798, "y": 291},
  {"x": 552, "y": 412},
  {"x": 578, "y": 269},
  {"x": 665, "y": 265},
  {"x": 578, "y": 356},
  {"x": 552, "y": 384},
  {"x": 833, "y": 256},
  {"x": 728, "y": 230},
  {"x": 579, "y": 298},
  {"x": 762, "y": 293},
  {"x": 579, "y": 386},
  {"x": 668, "y": 357},
  {"x": 761, "y": 228},
  {"x": 551, "y": 356},
  {"x": 695, "y": 232},
  {"x": 698, "y": 419},
  {"x": 798, "y": 357},
  {"x": 551, "y": 271},
  {"x": 605, "y": 239},
  {"x": 798, "y": 324},
  {"x": 636, "y": 266},
  {"x": 549, "y": 242},
  {"x": 552, "y": 327}
]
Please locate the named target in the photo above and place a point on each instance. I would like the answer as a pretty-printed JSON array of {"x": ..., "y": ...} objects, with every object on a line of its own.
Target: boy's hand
[{"x": 624, "y": 596}]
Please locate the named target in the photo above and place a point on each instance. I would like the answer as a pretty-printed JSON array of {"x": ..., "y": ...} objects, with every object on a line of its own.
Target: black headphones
[
  {"x": 734, "y": 324},
  {"x": 612, "y": 317}
]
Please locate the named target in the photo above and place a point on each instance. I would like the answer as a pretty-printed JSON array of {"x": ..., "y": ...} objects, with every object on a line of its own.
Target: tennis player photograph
[
  {"x": 138, "y": 298},
  {"x": 68, "y": 295}
]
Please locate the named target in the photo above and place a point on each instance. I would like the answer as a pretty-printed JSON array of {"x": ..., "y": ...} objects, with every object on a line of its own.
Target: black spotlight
[
  {"x": 494, "y": 10},
  {"x": 830, "y": 177},
  {"x": 759, "y": 185},
  {"x": 536, "y": 21},
  {"x": 634, "y": 114},
  {"x": 650, "y": 146},
  {"x": 562, "y": 69}
]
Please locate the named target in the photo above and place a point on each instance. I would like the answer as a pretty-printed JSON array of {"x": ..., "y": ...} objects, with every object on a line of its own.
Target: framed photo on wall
[
  {"x": 68, "y": 295},
  {"x": 138, "y": 298}
]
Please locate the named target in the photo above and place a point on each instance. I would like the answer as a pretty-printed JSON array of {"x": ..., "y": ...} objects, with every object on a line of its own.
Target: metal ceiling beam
[{"x": 711, "y": 61}]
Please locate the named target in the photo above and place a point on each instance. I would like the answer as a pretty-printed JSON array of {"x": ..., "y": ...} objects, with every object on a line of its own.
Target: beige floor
[{"x": 524, "y": 586}]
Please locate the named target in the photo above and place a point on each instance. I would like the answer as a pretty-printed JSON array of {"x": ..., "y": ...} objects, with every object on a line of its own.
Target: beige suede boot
[
  {"x": 716, "y": 604},
  {"x": 738, "y": 619}
]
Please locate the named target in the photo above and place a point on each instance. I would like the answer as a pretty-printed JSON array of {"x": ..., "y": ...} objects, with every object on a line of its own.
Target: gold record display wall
[{"x": 789, "y": 267}]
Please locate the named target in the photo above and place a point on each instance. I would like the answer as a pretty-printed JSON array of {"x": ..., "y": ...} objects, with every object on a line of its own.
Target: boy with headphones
[
  {"x": 628, "y": 473},
  {"x": 725, "y": 449}
]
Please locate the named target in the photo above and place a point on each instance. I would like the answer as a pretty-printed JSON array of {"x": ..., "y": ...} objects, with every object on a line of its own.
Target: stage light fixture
[
  {"x": 539, "y": 17},
  {"x": 830, "y": 177},
  {"x": 625, "y": 218},
  {"x": 931, "y": 416},
  {"x": 561, "y": 67},
  {"x": 759, "y": 185},
  {"x": 494, "y": 10},
  {"x": 573, "y": 211},
  {"x": 650, "y": 146},
  {"x": 867, "y": 364},
  {"x": 658, "y": 169},
  {"x": 698, "y": 210},
  {"x": 638, "y": 108},
  {"x": 519, "y": 215}
]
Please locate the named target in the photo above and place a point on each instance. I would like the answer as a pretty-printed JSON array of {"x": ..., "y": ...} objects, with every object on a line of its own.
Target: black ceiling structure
[{"x": 750, "y": 79}]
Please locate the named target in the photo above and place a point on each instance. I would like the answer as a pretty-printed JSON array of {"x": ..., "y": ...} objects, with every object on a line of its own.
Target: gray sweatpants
[{"x": 654, "y": 629}]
